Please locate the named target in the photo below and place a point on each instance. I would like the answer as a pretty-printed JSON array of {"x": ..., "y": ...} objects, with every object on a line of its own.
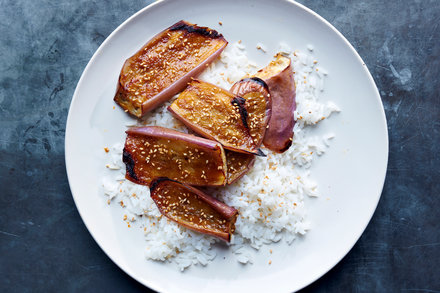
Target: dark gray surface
[{"x": 45, "y": 46}]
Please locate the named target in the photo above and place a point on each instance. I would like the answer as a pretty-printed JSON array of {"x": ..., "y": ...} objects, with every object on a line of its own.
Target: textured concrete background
[{"x": 44, "y": 47}]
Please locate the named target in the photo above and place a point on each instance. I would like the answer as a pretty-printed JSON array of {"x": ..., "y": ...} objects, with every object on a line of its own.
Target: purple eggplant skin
[
  {"x": 154, "y": 151},
  {"x": 258, "y": 104},
  {"x": 164, "y": 66},
  {"x": 193, "y": 208},
  {"x": 159, "y": 131},
  {"x": 278, "y": 75}
]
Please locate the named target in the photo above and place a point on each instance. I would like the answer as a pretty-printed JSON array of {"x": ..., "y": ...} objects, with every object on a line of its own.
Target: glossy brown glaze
[
  {"x": 164, "y": 66},
  {"x": 216, "y": 114},
  {"x": 238, "y": 165},
  {"x": 193, "y": 208},
  {"x": 153, "y": 151},
  {"x": 258, "y": 105}
]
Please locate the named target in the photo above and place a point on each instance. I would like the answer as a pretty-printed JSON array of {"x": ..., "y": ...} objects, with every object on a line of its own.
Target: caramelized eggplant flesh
[
  {"x": 163, "y": 66},
  {"x": 278, "y": 75},
  {"x": 238, "y": 165},
  {"x": 258, "y": 105},
  {"x": 216, "y": 114},
  {"x": 193, "y": 208},
  {"x": 153, "y": 151}
]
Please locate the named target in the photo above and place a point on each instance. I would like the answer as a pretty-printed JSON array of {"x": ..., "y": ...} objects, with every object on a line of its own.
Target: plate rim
[{"x": 321, "y": 271}]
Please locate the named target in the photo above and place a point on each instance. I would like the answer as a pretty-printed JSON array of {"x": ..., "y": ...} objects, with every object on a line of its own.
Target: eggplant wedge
[
  {"x": 193, "y": 209},
  {"x": 153, "y": 151},
  {"x": 278, "y": 75},
  {"x": 163, "y": 67},
  {"x": 216, "y": 114},
  {"x": 258, "y": 105},
  {"x": 238, "y": 165}
]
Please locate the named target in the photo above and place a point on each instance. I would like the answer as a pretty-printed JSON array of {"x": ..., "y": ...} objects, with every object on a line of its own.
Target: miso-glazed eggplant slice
[
  {"x": 193, "y": 209},
  {"x": 258, "y": 105},
  {"x": 153, "y": 151},
  {"x": 238, "y": 165},
  {"x": 278, "y": 75},
  {"x": 163, "y": 67},
  {"x": 216, "y": 114}
]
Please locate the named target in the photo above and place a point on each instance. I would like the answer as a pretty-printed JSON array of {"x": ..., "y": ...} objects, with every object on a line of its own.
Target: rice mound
[{"x": 270, "y": 198}]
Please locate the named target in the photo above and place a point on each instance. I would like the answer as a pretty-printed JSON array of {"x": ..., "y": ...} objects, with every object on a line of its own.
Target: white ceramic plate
[{"x": 350, "y": 175}]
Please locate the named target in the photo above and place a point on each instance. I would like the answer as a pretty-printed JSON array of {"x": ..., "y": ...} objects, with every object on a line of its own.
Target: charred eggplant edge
[
  {"x": 181, "y": 83},
  {"x": 236, "y": 100},
  {"x": 268, "y": 98},
  {"x": 159, "y": 131},
  {"x": 194, "y": 28}
]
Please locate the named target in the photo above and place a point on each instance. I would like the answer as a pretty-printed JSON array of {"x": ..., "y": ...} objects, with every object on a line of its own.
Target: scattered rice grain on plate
[{"x": 270, "y": 198}]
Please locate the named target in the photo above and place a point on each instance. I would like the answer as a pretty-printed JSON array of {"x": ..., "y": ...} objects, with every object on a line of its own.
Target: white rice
[{"x": 270, "y": 198}]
